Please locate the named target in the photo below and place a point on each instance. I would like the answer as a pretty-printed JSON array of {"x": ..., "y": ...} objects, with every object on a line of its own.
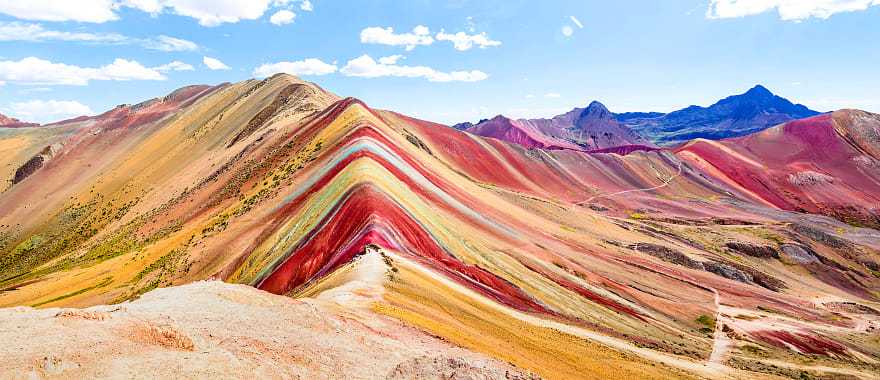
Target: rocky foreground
[{"x": 211, "y": 329}]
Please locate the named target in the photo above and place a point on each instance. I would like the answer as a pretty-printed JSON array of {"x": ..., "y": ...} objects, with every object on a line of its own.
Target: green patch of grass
[
  {"x": 706, "y": 320},
  {"x": 754, "y": 350}
]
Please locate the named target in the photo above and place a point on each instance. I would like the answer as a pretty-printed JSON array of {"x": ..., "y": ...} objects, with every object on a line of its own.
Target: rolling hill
[{"x": 717, "y": 259}]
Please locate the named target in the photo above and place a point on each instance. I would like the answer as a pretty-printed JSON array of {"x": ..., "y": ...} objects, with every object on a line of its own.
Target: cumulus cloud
[
  {"x": 306, "y": 5},
  {"x": 282, "y": 17},
  {"x": 207, "y": 12},
  {"x": 789, "y": 10},
  {"x": 420, "y": 35},
  {"x": 391, "y": 59},
  {"x": 174, "y": 66},
  {"x": 463, "y": 41},
  {"x": 309, "y": 66},
  {"x": 366, "y": 67},
  {"x": 214, "y": 64},
  {"x": 36, "y": 71},
  {"x": 44, "y": 111},
  {"x": 97, "y": 11},
  {"x": 30, "y": 32}
]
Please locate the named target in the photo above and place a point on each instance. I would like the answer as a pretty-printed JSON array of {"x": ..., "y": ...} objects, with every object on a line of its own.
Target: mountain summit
[
  {"x": 590, "y": 128},
  {"x": 755, "y": 110}
]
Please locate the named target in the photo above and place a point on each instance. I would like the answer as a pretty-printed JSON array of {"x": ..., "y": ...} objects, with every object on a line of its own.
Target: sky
[{"x": 444, "y": 61}]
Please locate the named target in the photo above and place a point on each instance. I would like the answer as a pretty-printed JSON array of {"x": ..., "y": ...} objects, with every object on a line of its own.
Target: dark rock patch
[
  {"x": 761, "y": 251},
  {"x": 851, "y": 307},
  {"x": 29, "y": 167},
  {"x": 667, "y": 254},
  {"x": 728, "y": 272}
]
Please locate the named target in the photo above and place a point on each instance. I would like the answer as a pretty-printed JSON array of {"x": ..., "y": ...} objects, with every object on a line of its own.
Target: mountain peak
[
  {"x": 597, "y": 110},
  {"x": 597, "y": 105},
  {"x": 759, "y": 91}
]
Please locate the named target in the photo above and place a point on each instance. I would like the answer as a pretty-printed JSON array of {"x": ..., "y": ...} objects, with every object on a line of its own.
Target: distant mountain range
[
  {"x": 595, "y": 127},
  {"x": 9, "y": 122},
  {"x": 590, "y": 128},
  {"x": 755, "y": 110}
]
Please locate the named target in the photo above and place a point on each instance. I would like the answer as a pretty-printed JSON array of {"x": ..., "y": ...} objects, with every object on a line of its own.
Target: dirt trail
[
  {"x": 721, "y": 343},
  {"x": 660, "y": 186}
]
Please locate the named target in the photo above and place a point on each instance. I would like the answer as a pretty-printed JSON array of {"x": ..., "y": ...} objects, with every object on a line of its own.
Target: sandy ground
[{"x": 219, "y": 330}]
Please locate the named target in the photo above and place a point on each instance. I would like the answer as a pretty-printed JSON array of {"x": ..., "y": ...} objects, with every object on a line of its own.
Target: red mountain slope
[
  {"x": 827, "y": 164},
  {"x": 9, "y": 122}
]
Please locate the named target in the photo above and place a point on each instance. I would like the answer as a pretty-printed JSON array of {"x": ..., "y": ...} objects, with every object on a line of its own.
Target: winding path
[{"x": 662, "y": 185}]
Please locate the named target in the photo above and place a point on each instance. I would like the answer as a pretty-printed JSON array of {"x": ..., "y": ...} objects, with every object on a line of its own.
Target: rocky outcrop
[
  {"x": 667, "y": 254},
  {"x": 761, "y": 251}
]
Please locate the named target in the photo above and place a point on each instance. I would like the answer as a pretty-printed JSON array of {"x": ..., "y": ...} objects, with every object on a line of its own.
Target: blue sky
[{"x": 446, "y": 61}]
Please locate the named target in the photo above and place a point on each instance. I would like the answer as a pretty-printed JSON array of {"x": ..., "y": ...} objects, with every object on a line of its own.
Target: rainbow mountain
[{"x": 751, "y": 257}]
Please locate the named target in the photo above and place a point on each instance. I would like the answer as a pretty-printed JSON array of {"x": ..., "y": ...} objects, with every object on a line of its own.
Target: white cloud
[
  {"x": 97, "y": 11},
  {"x": 309, "y": 66},
  {"x": 366, "y": 67},
  {"x": 122, "y": 69},
  {"x": 214, "y": 64},
  {"x": 174, "y": 66},
  {"x": 463, "y": 41},
  {"x": 282, "y": 17},
  {"x": 530, "y": 96},
  {"x": 420, "y": 35},
  {"x": 166, "y": 43},
  {"x": 576, "y": 22},
  {"x": 567, "y": 31},
  {"x": 790, "y": 10},
  {"x": 552, "y": 95},
  {"x": 306, "y": 5},
  {"x": 391, "y": 59},
  {"x": 31, "y": 90},
  {"x": 36, "y": 71},
  {"x": 44, "y": 111},
  {"x": 207, "y": 12},
  {"x": 18, "y": 31}
]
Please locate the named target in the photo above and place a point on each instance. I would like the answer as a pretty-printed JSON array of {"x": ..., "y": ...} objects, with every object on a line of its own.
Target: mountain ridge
[
  {"x": 11, "y": 122},
  {"x": 559, "y": 261},
  {"x": 589, "y": 128},
  {"x": 735, "y": 115}
]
